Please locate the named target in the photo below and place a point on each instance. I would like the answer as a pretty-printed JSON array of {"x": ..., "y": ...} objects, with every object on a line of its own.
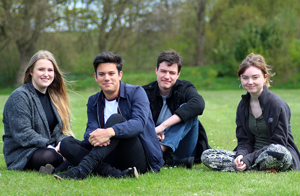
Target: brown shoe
[
  {"x": 270, "y": 171},
  {"x": 47, "y": 170}
]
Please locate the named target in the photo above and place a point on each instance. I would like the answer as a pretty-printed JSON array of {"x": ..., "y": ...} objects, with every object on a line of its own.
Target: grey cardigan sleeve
[{"x": 21, "y": 114}]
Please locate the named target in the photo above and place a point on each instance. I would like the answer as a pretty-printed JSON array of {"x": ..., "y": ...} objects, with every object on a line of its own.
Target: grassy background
[{"x": 219, "y": 122}]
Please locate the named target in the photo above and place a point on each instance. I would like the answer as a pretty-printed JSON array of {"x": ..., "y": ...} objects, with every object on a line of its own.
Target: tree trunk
[
  {"x": 25, "y": 55},
  {"x": 200, "y": 27}
]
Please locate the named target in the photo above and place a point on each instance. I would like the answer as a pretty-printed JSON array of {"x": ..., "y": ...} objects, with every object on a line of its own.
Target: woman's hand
[
  {"x": 57, "y": 148},
  {"x": 50, "y": 146},
  {"x": 240, "y": 165}
]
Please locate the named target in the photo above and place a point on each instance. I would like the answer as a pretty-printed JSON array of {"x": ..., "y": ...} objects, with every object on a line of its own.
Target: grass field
[{"x": 219, "y": 122}]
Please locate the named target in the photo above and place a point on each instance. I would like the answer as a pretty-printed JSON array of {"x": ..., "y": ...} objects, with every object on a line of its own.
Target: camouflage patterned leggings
[{"x": 275, "y": 156}]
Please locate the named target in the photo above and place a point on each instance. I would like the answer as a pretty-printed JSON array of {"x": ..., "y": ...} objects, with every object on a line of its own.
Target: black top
[
  {"x": 46, "y": 103},
  {"x": 259, "y": 129}
]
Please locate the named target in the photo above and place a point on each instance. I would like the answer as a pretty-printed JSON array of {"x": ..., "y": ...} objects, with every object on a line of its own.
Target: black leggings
[
  {"x": 121, "y": 154},
  {"x": 41, "y": 157}
]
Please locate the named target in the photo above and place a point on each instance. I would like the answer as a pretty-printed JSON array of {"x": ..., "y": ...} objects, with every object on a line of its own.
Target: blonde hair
[
  {"x": 257, "y": 61},
  {"x": 57, "y": 89}
]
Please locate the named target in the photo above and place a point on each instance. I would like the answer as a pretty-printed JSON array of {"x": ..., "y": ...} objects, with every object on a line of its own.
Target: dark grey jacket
[
  {"x": 277, "y": 115},
  {"x": 26, "y": 127}
]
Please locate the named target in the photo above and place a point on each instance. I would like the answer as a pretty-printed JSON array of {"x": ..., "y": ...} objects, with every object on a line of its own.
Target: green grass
[{"x": 219, "y": 122}]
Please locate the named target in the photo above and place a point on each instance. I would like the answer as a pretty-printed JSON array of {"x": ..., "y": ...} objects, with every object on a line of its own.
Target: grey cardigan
[{"x": 26, "y": 127}]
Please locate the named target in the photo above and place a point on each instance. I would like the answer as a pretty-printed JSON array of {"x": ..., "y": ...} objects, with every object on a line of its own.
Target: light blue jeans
[{"x": 182, "y": 138}]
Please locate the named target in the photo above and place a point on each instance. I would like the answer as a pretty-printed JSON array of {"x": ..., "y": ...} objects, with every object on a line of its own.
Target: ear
[
  {"x": 95, "y": 76},
  {"x": 156, "y": 70},
  {"x": 120, "y": 75}
]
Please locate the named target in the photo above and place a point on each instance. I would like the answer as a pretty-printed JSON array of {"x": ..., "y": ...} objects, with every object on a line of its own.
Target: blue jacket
[{"x": 134, "y": 106}]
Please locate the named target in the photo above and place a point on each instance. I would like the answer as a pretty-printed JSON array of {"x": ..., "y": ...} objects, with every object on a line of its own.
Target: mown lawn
[{"x": 219, "y": 122}]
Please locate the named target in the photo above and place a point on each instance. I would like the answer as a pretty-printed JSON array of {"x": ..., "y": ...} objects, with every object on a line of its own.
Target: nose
[
  {"x": 250, "y": 81},
  {"x": 106, "y": 77},
  {"x": 46, "y": 73},
  {"x": 167, "y": 75}
]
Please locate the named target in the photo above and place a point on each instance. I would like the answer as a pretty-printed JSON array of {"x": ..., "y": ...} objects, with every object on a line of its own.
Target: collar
[
  {"x": 100, "y": 95},
  {"x": 263, "y": 97},
  {"x": 172, "y": 89}
]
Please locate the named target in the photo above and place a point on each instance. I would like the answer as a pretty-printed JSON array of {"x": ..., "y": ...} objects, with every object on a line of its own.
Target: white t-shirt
[{"x": 111, "y": 107}]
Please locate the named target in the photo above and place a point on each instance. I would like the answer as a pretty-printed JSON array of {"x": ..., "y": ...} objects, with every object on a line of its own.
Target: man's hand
[
  {"x": 101, "y": 137},
  {"x": 161, "y": 137},
  {"x": 160, "y": 128},
  {"x": 240, "y": 165}
]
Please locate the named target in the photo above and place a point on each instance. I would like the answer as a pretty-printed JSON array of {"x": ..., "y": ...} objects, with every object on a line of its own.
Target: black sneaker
[
  {"x": 130, "y": 172},
  {"x": 74, "y": 173},
  {"x": 47, "y": 170}
]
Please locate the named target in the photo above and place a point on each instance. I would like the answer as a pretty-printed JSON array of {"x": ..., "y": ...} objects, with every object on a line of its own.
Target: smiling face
[
  {"x": 42, "y": 75},
  {"x": 166, "y": 77},
  {"x": 253, "y": 80},
  {"x": 108, "y": 79}
]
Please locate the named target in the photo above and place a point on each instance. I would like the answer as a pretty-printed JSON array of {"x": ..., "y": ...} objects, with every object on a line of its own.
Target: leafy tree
[{"x": 22, "y": 22}]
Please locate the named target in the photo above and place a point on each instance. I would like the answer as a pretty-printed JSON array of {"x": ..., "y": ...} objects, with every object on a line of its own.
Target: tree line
[{"x": 204, "y": 32}]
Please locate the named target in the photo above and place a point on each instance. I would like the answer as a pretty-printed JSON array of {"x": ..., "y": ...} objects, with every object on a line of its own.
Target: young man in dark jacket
[
  {"x": 175, "y": 106},
  {"x": 120, "y": 137}
]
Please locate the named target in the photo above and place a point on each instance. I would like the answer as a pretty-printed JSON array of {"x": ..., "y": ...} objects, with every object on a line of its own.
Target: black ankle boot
[{"x": 186, "y": 162}]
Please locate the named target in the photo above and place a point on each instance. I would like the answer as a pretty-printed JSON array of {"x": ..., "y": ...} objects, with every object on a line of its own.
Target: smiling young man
[
  {"x": 120, "y": 138},
  {"x": 175, "y": 106}
]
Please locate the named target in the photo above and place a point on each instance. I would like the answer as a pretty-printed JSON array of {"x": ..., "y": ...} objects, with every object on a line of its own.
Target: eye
[{"x": 101, "y": 74}]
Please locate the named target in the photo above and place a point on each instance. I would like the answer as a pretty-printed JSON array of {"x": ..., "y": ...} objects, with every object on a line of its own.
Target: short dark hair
[
  {"x": 108, "y": 57},
  {"x": 170, "y": 57}
]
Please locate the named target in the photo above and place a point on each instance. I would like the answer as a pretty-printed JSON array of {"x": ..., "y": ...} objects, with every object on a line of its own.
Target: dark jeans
[{"x": 110, "y": 160}]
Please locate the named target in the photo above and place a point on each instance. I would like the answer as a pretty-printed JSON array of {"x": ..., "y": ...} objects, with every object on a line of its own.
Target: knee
[
  {"x": 50, "y": 156},
  {"x": 65, "y": 144},
  {"x": 67, "y": 141},
  {"x": 114, "y": 119},
  {"x": 279, "y": 151}
]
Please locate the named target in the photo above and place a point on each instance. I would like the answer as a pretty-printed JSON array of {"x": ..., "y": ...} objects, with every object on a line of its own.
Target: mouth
[
  {"x": 107, "y": 84},
  {"x": 45, "y": 79}
]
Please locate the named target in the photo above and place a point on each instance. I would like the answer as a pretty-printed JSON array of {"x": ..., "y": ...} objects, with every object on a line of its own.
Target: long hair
[
  {"x": 57, "y": 89},
  {"x": 257, "y": 61}
]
